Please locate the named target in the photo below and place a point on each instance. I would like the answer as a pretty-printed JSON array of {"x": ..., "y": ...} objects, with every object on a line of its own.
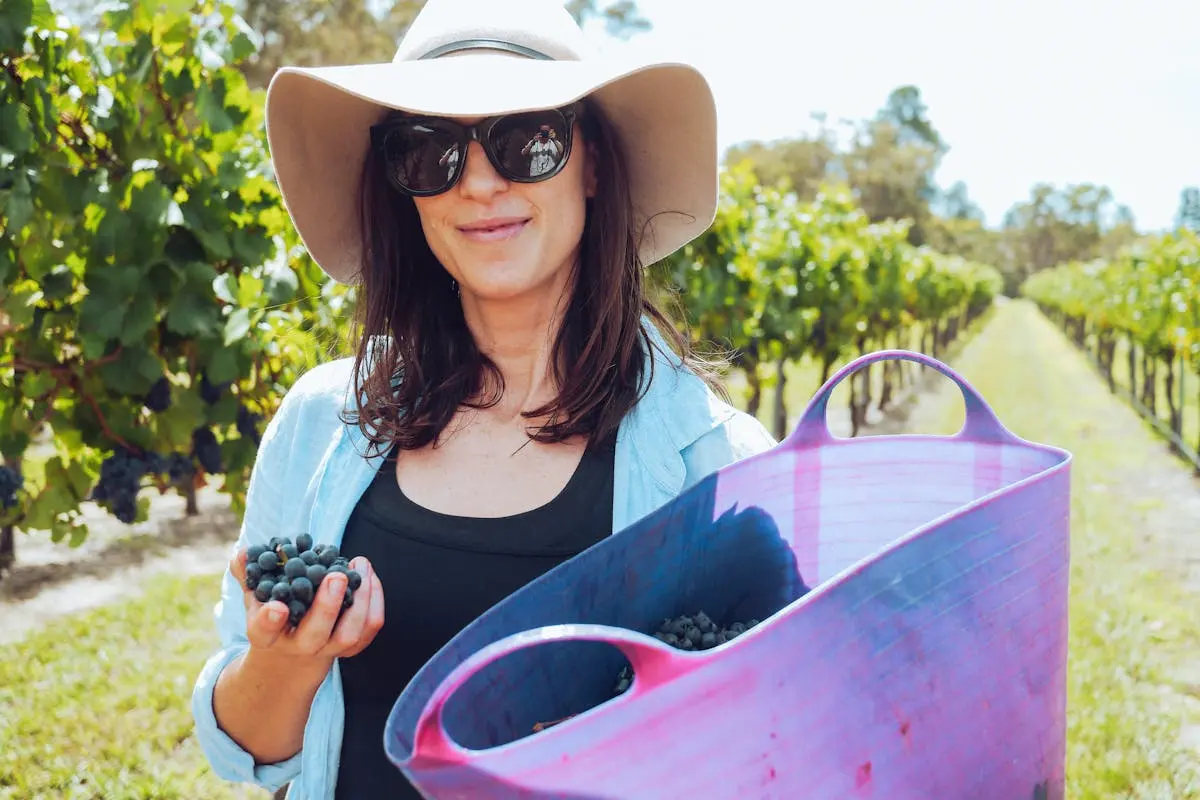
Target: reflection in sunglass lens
[
  {"x": 529, "y": 145},
  {"x": 422, "y": 156}
]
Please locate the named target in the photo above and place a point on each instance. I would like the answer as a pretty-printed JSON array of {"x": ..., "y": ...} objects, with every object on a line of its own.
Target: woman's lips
[{"x": 493, "y": 230}]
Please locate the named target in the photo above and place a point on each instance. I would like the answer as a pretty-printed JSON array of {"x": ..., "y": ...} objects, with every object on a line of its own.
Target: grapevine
[
  {"x": 151, "y": 284},
  {"x": 1146, "y": 298}
]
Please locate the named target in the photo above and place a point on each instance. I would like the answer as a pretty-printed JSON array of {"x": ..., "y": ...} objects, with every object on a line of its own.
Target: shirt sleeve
[
  {"x": 739, "y": 437},
  {"x": 264, "y": 500}
]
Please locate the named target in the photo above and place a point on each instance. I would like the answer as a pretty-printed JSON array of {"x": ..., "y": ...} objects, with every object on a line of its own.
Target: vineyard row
[{"x": 1138, "y": 318}]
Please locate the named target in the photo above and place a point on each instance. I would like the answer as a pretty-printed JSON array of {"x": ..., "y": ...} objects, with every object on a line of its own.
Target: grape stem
[
  {"x": 91, "y": 401},
  {"x": 60, "y": 371},
  {"x": 168, "y": 111},
  {"x": 541, "y": 726}
]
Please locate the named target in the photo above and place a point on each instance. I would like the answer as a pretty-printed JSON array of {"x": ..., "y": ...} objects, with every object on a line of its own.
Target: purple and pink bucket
[{"x": 912, "y": 592}]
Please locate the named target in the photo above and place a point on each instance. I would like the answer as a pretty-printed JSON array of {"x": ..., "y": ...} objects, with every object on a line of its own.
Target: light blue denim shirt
[{"x": 310, "y": 472}]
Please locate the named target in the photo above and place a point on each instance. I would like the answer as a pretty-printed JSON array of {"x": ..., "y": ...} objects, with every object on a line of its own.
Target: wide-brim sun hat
[{"x": 475, "y": 59}]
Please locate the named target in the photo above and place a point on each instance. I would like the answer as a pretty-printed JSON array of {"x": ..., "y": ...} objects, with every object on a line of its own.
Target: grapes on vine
[
  {"x": 179, "y": 469},
  {"x": 247, "y": 424},
  {"x": 11, "y": 482},
  {"x": 287, "y": 571},
  {"x": 120, "y": 481},
  {"x": 211, "y": 393},
  {"x": 158, "y": 399},
  {"x": 206, "y": 450}
]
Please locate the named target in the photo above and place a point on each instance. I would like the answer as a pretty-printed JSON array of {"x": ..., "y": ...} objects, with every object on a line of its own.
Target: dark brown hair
[{"x": 407, "y": 301}]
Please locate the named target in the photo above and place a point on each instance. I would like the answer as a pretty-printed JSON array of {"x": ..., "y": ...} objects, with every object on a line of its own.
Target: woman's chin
[
  {"x": 504, "y": 293},
  {"x": 505, "y": 283}
]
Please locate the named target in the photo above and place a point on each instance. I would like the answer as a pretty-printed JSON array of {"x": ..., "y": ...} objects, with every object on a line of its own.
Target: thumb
[{"x": 266, "y": 624}]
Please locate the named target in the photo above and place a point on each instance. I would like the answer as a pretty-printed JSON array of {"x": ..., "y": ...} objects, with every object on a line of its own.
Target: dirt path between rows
[{"x": 53, "y": 580}]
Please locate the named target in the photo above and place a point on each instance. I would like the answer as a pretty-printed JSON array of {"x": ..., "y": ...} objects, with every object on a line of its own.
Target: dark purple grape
[
  {"x": 302, "y": 590},
  {"x": 211, "y": 394},
  {"x": 158, "y": 399},
  {"x": 11, "y": 482},
  {"x": 207, "y": 451},
  {"x": 247, "y": 424},
  {"x": 263, "y": 592}
]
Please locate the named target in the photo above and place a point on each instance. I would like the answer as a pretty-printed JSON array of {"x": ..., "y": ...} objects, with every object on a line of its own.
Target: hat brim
[{"x": 318, "y": 128}]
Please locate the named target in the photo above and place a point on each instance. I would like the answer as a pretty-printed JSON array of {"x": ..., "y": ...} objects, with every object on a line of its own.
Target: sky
[{"x": 1058, "y": 91}]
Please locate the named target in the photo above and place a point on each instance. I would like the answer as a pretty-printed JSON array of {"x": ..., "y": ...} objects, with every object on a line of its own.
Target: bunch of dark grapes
[
  {"x": 698, "y": 632},
  {"x": 211, "y": 394},
  {"x": 206, "y": 450},
  {"x": 158, "y": 399},
  {"x": 291, "y": 572},
  {"x": 120, "y": 479},
  {"x": 11, "y": 482},
  {"x": 686, "y": 632},
  {"x": 179, "y": 469},
  {"x": 689, "y": 632},
  {"x": 247, "y": 424}
]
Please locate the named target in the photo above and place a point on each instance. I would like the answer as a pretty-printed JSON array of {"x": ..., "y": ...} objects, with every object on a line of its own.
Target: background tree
[
  {"x": 1059, "y": 225},
  {"x": 331, "y": 32},
  {"x": 804, "y": 162},
  {"x": 1189, "y": 209},
  {"x": 891, "y": 171}
]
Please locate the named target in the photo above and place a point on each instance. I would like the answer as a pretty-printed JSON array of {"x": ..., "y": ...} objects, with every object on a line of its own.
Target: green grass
[
  {"x": 1132, "y": 620},
  {"x": 98, "y": 706}
]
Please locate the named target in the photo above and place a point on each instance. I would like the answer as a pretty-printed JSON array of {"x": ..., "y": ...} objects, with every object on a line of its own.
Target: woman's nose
[{"x": 479, "y": 178}]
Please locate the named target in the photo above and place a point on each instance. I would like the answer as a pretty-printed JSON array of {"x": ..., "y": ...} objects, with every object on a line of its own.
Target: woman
[{"x": 512, "y": 400}]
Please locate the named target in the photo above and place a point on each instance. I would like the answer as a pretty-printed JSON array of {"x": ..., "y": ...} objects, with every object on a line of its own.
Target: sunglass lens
[
  {"x": 530, "y": 145},
  {"x": 422, "y": 156}
]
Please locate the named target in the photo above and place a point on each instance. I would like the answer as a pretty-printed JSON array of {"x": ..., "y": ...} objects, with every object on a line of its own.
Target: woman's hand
[{"x": 320, "y": 637}]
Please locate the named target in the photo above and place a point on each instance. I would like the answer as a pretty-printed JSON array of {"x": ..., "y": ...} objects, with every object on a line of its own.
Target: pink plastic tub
[{"x": 913, "y": 644}]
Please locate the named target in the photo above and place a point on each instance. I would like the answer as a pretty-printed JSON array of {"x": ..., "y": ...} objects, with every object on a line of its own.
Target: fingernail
[
  {"x": 334, "y": 586},
  {"x": 275, "y": 614}
]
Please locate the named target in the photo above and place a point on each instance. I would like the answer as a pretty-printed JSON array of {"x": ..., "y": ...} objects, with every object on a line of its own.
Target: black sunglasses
[{"x": 425, "y": 156}]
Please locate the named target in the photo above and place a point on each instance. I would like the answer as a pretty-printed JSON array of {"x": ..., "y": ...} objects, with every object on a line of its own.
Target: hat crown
[{"x": 520, "y": 28}]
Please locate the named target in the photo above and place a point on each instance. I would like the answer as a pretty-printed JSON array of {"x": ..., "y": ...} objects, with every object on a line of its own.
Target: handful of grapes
[{"x": 291, "y": 572}]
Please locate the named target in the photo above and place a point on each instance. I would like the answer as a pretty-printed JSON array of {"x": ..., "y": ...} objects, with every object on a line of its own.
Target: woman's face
[{"x": 504, "y": 241}]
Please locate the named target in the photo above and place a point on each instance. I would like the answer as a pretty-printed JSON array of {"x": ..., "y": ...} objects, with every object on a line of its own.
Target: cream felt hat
[{"x": 476, "y": 58}]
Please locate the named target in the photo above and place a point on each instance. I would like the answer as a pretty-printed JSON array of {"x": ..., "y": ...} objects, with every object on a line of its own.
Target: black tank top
[{"x": 440, "y": 572}]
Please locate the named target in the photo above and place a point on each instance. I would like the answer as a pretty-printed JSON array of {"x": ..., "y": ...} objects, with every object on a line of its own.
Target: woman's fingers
[
  {"x": 369, "y": 594},
  {"x": 265, "y": 624},
  {"x": 312, "y": 636},
  {"x": 237, "y": 566},
  {"x": 348, "y": 632}
]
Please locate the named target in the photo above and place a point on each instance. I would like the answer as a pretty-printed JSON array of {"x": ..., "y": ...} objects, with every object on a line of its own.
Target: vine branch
[{"x": 91, "y": 401}]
